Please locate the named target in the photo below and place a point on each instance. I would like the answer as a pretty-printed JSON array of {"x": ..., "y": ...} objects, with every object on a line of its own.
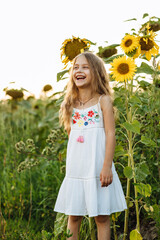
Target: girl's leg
[
  {"x": 74, "y": 223},
  {"x": 103, "y": 227}
]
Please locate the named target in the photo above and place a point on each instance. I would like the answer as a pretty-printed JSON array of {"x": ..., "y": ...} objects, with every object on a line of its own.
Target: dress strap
[
  {"x": 100, "y": 98},
  {"x": 99, "y": 105}
]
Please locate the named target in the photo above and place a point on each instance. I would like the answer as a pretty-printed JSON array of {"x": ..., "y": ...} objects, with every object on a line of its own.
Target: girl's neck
[{"x": 84, "y": 95}]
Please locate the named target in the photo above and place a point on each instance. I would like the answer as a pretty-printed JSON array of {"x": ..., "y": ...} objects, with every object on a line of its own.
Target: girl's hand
[{"x": 106, "y": 176}]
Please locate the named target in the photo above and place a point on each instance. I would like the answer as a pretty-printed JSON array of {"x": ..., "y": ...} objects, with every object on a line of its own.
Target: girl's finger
[{"x": 100, "y": 177}]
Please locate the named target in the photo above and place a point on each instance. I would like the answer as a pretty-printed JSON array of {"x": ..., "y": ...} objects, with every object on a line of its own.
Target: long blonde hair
[{"x": 100, "y": 84}]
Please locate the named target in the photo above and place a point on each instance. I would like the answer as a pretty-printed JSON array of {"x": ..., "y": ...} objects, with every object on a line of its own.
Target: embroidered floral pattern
[
  {"x": 77, "y": 115},
  {"x": 80, "y": 122},
  {"x": 90, "y": 113},
  {"x": 83, "y": 119}
]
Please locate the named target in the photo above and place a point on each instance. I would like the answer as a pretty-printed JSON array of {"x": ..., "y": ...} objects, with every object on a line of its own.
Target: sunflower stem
[
  {"x": 128, "y": 182},
  {"x": 114, "y": 230},
  {"x": 130, "y": 164},
  {"x": 133, "y": 168}
]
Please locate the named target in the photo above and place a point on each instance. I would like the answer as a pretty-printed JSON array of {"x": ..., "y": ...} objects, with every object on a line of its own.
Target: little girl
[{"x": 91, "y": 185}]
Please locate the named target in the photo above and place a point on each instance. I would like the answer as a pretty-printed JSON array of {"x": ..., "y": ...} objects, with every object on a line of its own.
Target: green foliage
[
  {"x": 141, "y": 171},
  {"x": 132, "y": 19},
  {"x": 145, "y": 68},
  {"x": 133, "y": 127},
  {"x": 61, "y": 74},
  {"x": 60, "y": 225},
  {"x": 110, "y": 59},
  {"x": 135, "y": 235},
  {"x": 33, "y": 143},
  {"x": 128, "y": 172},
  {"x": 144, "y": 189},
  {"x": 148, "y": 141}
]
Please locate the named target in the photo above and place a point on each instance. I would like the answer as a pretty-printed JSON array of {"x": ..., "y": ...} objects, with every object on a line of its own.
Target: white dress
[{"x": 81, "y": 192}]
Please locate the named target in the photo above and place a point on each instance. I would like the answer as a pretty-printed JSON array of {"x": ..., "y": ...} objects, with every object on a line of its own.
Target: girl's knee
[
  {"x": 75, "y": 218},
  {"x": 102, "y": 219}
]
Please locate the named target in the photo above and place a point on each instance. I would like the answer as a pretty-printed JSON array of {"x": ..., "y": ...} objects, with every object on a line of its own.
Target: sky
[{"x": 32, "y": 33}]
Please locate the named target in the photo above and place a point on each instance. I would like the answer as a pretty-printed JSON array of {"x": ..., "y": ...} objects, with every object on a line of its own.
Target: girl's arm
[{"x": 109, "y": 125}]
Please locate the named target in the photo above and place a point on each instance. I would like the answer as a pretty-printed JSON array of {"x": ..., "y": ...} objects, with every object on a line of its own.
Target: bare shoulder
[
  {"x": 106, "y": 102},
  {"x": 108, "y": 114}
]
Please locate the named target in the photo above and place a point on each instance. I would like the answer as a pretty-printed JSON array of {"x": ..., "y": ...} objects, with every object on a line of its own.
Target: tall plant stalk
[
  {"x": 114, "y": 230},
  {"x": 92, "y": 229},
  {"x": 128, "y": 181},
  {"x": 130, "y": 164},
  {"x": 30, "y": 211}
]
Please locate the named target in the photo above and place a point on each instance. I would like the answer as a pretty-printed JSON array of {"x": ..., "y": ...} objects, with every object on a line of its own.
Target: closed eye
[{"x": 76, "y": 67}]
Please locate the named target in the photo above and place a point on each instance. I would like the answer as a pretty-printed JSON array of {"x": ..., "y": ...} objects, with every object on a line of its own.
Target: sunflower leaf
[
  {"x": 113, "y": 46},
  {"x": 133, "y": 19},
  {"x": 135, "y": 235},
  {"x": 145, "y": 15},
  {"x": 128, "y": 172},
  {"x": 143, "y": 84},
  {"x": 91, "y": 42},
  {"x": 144, "y": 189},
  {"x": 145, "y": 68},
  {"x": 147, "y": 141},
  {"x": 134, "y": 100},
  {"x": 110, "y": 59},
  {"x": 61, "y": 74},
  {"x": 102, "y": 49},
  {"x": 133, "y": 127},
  {"x": 119, "y": 151},
  {"x": 141, "y": 171}
]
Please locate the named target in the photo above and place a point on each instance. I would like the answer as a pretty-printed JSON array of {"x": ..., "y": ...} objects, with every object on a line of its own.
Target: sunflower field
[{"x": 33, "y": 145}]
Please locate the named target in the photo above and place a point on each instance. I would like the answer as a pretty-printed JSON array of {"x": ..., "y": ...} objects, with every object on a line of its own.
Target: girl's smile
[{"x": 81, "y": 72}]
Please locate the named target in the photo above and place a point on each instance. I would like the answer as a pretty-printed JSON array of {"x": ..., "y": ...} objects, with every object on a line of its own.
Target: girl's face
[{"x": 81, "y": 72}]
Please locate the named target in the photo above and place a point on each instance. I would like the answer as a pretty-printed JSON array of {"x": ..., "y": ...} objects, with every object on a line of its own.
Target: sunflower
[
  {"x": 148, "y": 45},
  {"x": 130, "y": 45},
  {"x": 123, "y": 69},
  {"x": 15, "y": 93},
  {"x": 107, "y": 52},
  {"x": 154, "y": 26},
  {"x": 72, "y": 47}
]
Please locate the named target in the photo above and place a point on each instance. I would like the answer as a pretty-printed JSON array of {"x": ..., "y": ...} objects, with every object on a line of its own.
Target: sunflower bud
[{"x": 47, "y": 88}]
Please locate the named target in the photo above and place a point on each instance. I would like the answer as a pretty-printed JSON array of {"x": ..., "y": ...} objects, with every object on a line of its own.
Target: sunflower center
[
  {"x": 123, "y": 68},
  {"x": 73, "y": 48},
  {"x": 128, "y": 43},
  {"x": 146, "y": 46},
  {"x": 109, "y": 52}
]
